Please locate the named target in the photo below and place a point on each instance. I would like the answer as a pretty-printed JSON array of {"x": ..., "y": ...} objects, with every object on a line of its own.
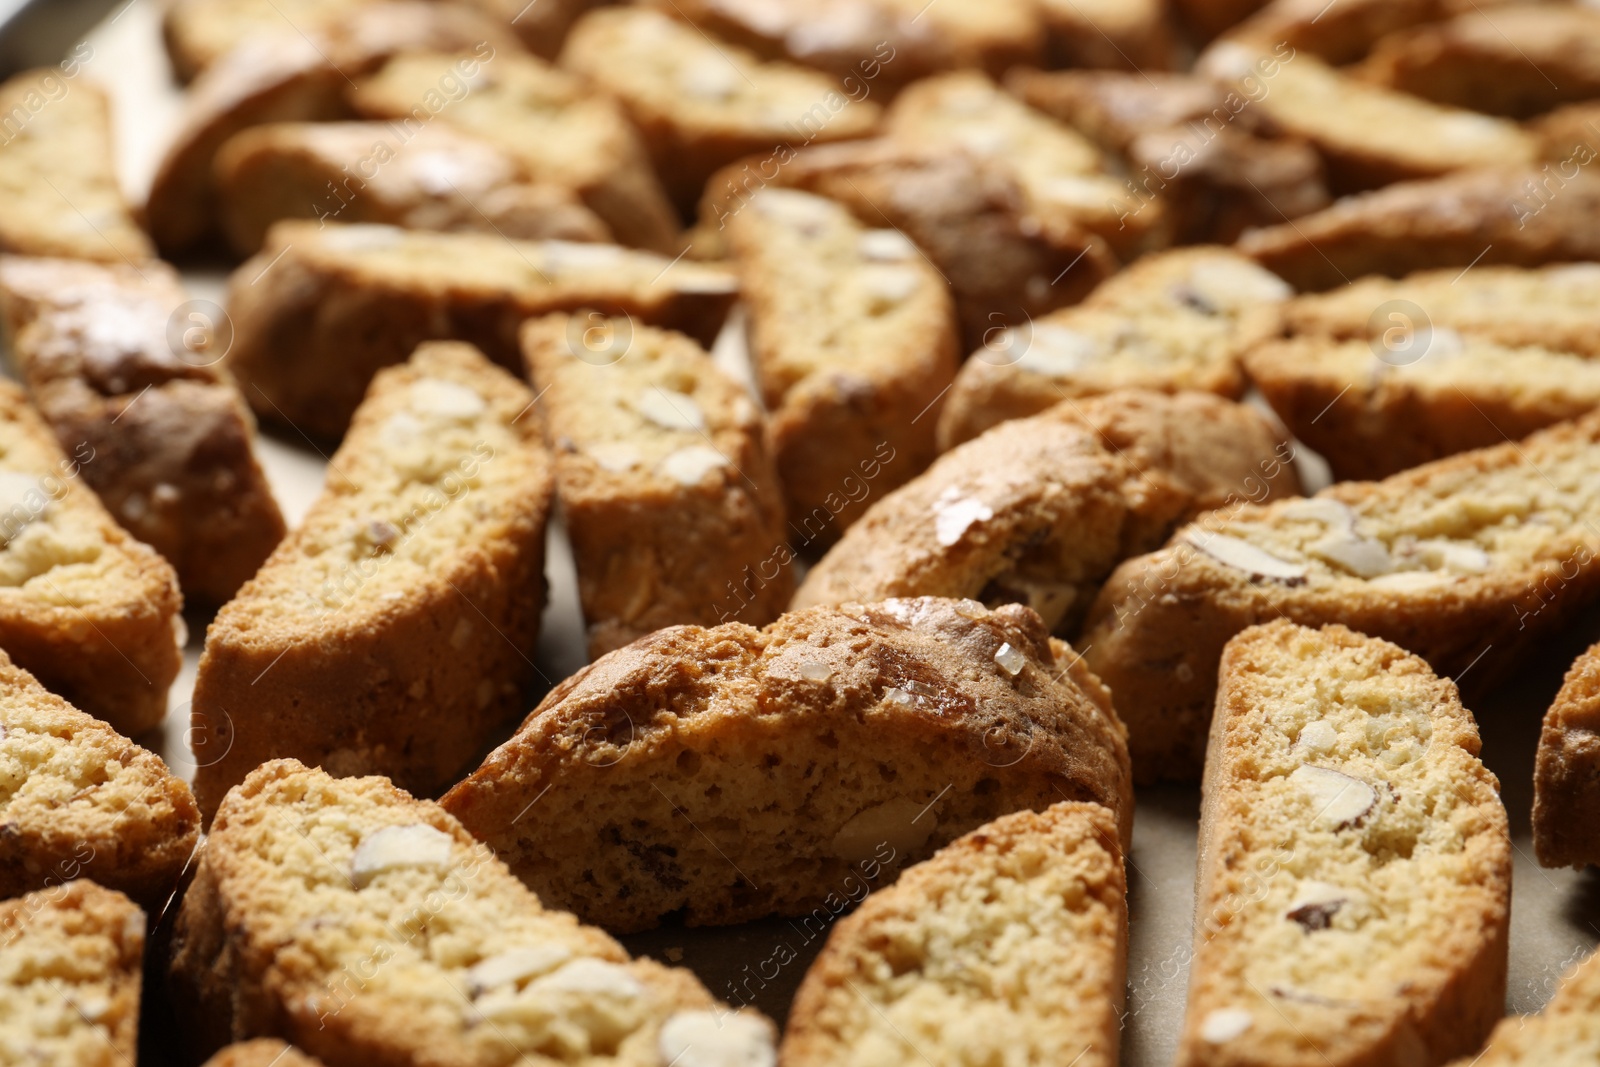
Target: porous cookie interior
[
  {"x": 1003, "y": 945},
  {"x": 1359, "y": 840},
  {"x": 1520, "y": 506},
  {"x": 848, "y": 297},
  {"x": 69, "y": 973},
  {"x": 438, "y": 459},
  {"x": 381, "y": 908}
]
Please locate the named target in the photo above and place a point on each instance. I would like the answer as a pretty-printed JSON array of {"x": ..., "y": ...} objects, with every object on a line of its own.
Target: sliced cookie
[
  {"x": 1041, "y": 510},
  {"x": 197, "y": 33},
  {"x": 1565, "y": 1034},
  {"x": 58, "y": 174},
  {"x": 123, "y": 368},
  {"x": 435, "y": 178},
  {"x": 368, "y": 927},
  {"x": 1009, "y": 942},
  {"x": 262, "y": 1052},
  {"x": 701, "y": 104},
  {"x": 71, "y": 967},
  {"x": 1466, "y": 559},
  {"x": 1521, "y": 216},
  {"x": 667, "y": 490},
  {"x": 1566, "y": 776},
  {"x": 81, "y": 800},
  {"x": 552, "y": 123},
  {"x": 1173, "y": 321},
  {"x": 1345, "y": 816},
  {"x": 852, "y": 338},
  {"x": 393, "y": 631},
  {"x": 303, "y": 78},
  {"x": 1344, "y": 32},
  {"x": 321, "y": 309},
  {"x": 87, "y": 609},
  {"x": 731, "y": 773},
  {"x": 1369, "y": 136},
  {"x": 1131, "y": 35}
]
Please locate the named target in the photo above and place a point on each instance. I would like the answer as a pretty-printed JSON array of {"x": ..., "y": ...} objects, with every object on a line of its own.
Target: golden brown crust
[
  {"x": 1447, "y": 581},
  {"x": 1563, "y": 1034},
  {"x": 668, "y": 493},
  {"x": 833, "y": 740},
  {"x": 1032, "y": 905},
  {"x": 320, "y": 310},
  {"x": 393, "y": 631},
  {"x": 1344, "y": 32},
  {"x": 170, "y": 439},
  {"x": 1566, "y": 776},
  {"x": 1345, "y": 816},
  {"x": 263, "y": 1052},
  {"x": 1041, "y": 510}
]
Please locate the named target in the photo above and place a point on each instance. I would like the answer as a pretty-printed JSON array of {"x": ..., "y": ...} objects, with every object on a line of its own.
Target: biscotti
[
  {"x": 1461, "y": 560},
  {"x": 105, "y": 355},
  {"x": 262, "y": 1052},
  {"x": 1194, "y": 151},
  {"x": 70, "y": 977},
  {"x": 1570, "y": 135},
  {"x": 1342, "y": 33},
  {"x": 1040, "y": 510},
  {"x": 1375, "y": 407},
  {"x": 1206, "y": 19},
  {"x": 1172, "y": 321},
  {"x": 433, "y": 178},
  {"x": 543, "y": 26},
  {"x": 701, "y": 104},
  {"x": 394, "y": 630},
  {"x": 1563, "y": 1035},
  {"x": 852, "y": 338},
  {"x": 559, "y": 129},
  {"x": 1368, "y": 135},
  {"x": 1353, "y": 896},
  {"x": 1009, "y": 944},
  {"x": 197, "y": 33},
  {"x": 1114, "y": 34},
  {"x": 667, "y": 490},
  {"x": 1523, "y": 216},
  {"x": 1513, "y": 60},
  {"x": 58, "y": 175},
  {"x": 322, "y": 308},
  {"x": 88, "y": 610},
  {"x": 1566, "y": 776},
  {"x": 302, "y": 77},
  {"x": 967, "y": 215},
  {"x": 831, "y": 746},
  {"x": 82, "y": 801},
  {"x": 367, "y": 927},
  {"x": 1059, "y": 171}
]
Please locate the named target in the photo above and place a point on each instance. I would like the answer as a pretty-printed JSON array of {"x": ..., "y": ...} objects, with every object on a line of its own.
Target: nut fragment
[
  {"x": 513, "y": 966},
  {"x": 812, "y": 671},
  {"x": 1055, "y": 350},
  {"x": 447, "y": 400},
  {"x": 885, "y": 246},
  {"x": 22, "y": 500},
  {"x": 1010, "y": 659},
  {"x": 902, "y": 824},
  {"x": 1241, "y": 555},
  {"x": 414, "y": 845},
  {"x": 1360, "y": 556},
  {"x": 1340, "y": 800},
  {"x": 1224, "y": 1024},
  {"x": 592, "y": 977},
  {"x": 953, "y": 513},
  {"x": 706, "y": 1039},
  {"x": 690, "y": 465},
  {"x": 1321, "y": 509},
  {"x": 1318, "y": 736},
  {"x": 670, "y": 409},
  {"x": 1315, "y": 905}
]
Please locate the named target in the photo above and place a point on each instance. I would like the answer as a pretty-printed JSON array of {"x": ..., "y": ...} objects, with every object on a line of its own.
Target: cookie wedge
[
  {"x": 1566, "y": 775},
  {"x": 70, "y": 976},
  {"x": 1517, "y": 216},
  {"x": 701, "y": 104},
  {"x": 1040, "y": 510},
  {"x": 123, "y": 367},
  {"x": 1368, "y": 136},
  {"x": 668, "y": 492},
  {"x": 1173, "y": 321},
  {"x": 1565, "y": 1034},
  {"x": 833, "y": 745},
  {"x": 81, "y": 800},
  {"x": 58, "y": 174},
  {"x": 1345, "y": 816},
  {"x": 302, "y": 77},
  {"x": 557, "y": 127},
  {"x": 434, "y": 952},
  {"x": 394, "y": 630},
  {"x": 1465, "y": 559},
  {"x": 262, "y": 1052},
  {"x": 85, "y": 608},
  {"x": 320, "y": 310},
  {"x": 433, "y": 178},
  {"x": 852, "y": 338},
  {"x": 1035, "y": 903}
]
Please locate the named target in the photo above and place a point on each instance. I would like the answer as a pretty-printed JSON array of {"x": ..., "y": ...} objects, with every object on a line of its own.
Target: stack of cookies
[{"x": 951, "y": 417}]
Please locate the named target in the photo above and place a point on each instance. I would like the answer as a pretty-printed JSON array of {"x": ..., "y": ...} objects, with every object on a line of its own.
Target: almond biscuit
[
  {"x": 1565, "y": 1034},
  {"x": 1566, "y": 777},
  {"x": 262, "y": 1052}
]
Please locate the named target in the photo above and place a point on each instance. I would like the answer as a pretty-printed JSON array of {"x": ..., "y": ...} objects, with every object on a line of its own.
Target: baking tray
[{"x": 1555, "y": 917}]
